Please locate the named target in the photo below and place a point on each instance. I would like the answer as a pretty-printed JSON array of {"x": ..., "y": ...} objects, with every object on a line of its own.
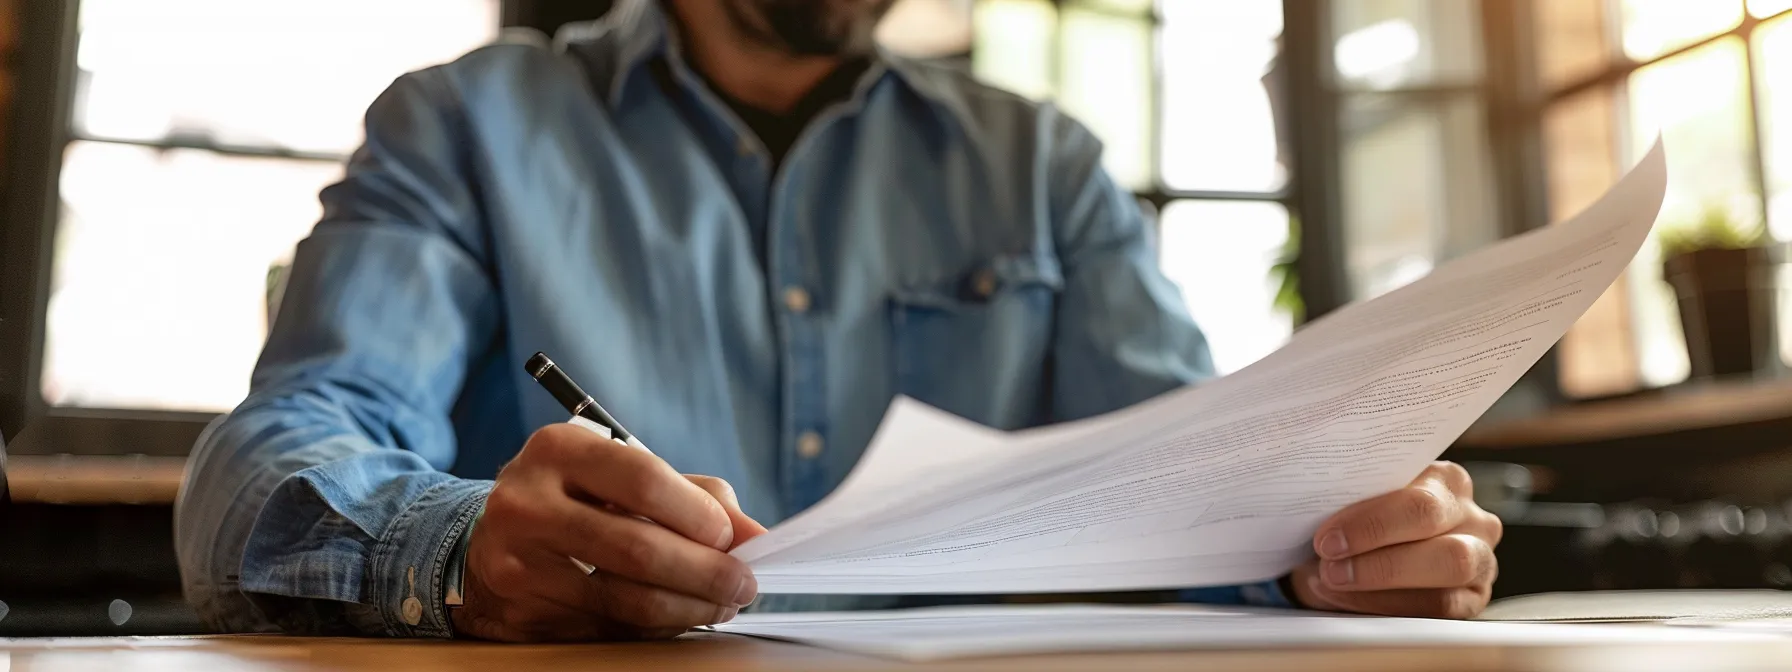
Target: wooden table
[
  {"x": 94, "y": 479},
  {"x": 710, "y": 652},
  {"x": 1691, "y": 407}
]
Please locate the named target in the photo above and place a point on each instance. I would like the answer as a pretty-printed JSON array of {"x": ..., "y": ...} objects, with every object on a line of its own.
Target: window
[
  {"x": 1210, "y": 245},
  {"x": 928, "y": 29},
  {"x": 1180, "y": 93},
  {"x": 1415, "y": 177},
  {"x": 202, "y": 131},
  {"x": 1705, "y": 76},
  {"x": 1202, "y": 132}
]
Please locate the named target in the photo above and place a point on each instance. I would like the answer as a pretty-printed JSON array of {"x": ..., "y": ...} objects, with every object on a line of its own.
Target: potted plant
[
  {"x": 1723, "y": 272},
  {"x": 1285, "y": 273}
]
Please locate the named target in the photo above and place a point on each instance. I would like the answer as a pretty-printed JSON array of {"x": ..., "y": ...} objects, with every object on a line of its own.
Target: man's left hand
[{"x": 1425, "y": 550}]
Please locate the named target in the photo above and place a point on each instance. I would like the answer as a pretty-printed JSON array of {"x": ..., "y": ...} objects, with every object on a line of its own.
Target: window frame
[
  {"x": 1314, "y": 100},
  {"x": 1312, "y": 192},
  {"x": 40, "y": 131},
  {"x": 1513, "y": 88},
  {"x": 1524, "y": 105}
]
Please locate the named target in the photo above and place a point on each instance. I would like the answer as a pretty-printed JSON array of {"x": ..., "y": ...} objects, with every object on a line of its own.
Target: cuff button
[{"x": 413, "y": 610}]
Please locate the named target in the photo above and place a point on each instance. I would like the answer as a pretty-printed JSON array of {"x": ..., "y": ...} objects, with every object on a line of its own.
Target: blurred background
[{"x": 1296, "y": 155}]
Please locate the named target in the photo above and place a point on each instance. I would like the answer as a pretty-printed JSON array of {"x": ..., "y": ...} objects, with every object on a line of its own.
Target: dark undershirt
[{"x": 779, "y": 131}]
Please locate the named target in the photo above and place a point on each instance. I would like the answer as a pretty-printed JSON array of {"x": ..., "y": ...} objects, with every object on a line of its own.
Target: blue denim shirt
[{"x": 593, "y": 199}]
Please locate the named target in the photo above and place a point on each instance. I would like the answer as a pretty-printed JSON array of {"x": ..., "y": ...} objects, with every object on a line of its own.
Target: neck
[{"x": 758, "y": 75}]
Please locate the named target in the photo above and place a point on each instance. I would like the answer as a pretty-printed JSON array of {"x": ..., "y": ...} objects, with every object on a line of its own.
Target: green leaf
[
  {"x": 1286, "y": 274},
  {"x": 1714, "y": 229}
]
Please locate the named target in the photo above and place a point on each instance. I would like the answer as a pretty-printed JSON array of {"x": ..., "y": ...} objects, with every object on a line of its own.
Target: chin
[{"x": 822, "y": 27}]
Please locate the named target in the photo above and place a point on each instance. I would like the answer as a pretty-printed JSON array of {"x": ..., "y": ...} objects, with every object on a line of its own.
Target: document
[
  {"x": 1630, "y": 606},
  {"x": 954, "y": 632},
  {"x": 1220, "y": 483}
]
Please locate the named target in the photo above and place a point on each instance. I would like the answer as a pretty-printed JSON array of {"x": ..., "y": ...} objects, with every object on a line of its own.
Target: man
[{"x": 745, "y": 230}]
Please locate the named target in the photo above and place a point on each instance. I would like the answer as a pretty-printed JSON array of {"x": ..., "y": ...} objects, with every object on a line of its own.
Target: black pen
[{"x": 574, "y": 398}]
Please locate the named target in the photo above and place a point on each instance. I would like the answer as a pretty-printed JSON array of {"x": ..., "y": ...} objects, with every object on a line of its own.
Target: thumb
[
  {"x": 1311, "y": 593},
  {"x": 1317, "y": 597},
  {"x": 744, "y": 526}
]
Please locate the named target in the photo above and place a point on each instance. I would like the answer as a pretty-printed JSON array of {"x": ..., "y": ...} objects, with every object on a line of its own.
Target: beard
[{"x": 810, "y": 27}]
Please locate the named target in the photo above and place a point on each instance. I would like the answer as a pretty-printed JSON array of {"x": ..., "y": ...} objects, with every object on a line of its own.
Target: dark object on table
[
  {"x": 87, "y": 570},
  {"x": 1727, "y": 299}
]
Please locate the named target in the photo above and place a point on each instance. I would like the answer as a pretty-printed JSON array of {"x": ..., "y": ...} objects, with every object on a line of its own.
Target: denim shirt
[{"x": 592, "y": 199}]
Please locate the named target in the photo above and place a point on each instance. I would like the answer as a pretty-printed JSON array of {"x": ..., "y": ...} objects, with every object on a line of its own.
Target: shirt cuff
[
  {"x": 1265, "y": 594},
  {"x": 454, "y": 581},
  {"x": 412, "y": 559}
]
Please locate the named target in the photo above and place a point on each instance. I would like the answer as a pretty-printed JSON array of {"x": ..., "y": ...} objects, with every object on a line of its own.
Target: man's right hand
[{"x": 573, "y": 494}]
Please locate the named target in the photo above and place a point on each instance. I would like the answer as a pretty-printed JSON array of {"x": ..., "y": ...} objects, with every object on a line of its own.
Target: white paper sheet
[
  {"x": 1778, "y": 626},
  {"x": 1221, "y": 483},
  {"x": 954, "y": 632}
]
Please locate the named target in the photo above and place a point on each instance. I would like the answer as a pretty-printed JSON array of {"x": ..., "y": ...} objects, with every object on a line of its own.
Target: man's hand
[
  {"x": 1424, "y": 550},
  {"x": 573, "y": 494}
]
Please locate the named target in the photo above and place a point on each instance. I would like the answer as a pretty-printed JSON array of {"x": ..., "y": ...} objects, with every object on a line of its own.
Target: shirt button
[
  {"x": 809, "y": 445},
  {"x": 984, "y": 283},
  {"x": 796, "y": 299},
  {"x": 413, "y": 610}
]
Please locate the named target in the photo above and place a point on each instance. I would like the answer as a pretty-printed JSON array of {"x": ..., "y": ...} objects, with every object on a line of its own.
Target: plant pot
[{"x": 1727, "y": 300}]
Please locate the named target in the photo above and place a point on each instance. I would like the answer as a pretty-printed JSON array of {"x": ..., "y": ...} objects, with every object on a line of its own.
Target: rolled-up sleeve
[
  {"x": 1123, "y": 332},
  {"x": 321, "y": 505}
]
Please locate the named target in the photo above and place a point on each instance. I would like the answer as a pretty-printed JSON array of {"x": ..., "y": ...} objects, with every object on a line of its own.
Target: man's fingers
[
  {"x": 603, "y": 471},
  {"x": 1453, "y": 476},
  {"x": 1453, "y": 603},
  {"x": 744, "y": 526},
  {"x": 569, "y": 606},
  {"x": 654, "y": 609},
  {"x": 1480, "y": 523},
  {"x": 1425, "y": 509},
  {"x": 641, "y": 551},
  {"x": 1449, "y": 561},
  {"x": 717, "y": 488}
]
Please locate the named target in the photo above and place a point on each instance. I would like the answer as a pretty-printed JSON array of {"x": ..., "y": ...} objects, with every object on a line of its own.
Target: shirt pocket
[{"x": 978, "y": 343}]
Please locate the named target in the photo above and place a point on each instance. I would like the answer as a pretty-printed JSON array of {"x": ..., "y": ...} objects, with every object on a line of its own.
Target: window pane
[
  {"x": 1220, "y": 126},
  {"x": 1699, "y": 101},
  {"x": 1221, "y": 254},
  {"x": 1141, "y": 8},
  {"x": 160, "y": 275},
  {"x": 1655, "y": 27},
  {"x": 1598, "y": 355},
  {"x": 1417, "y": 187},
  {"x": 297, "y": 75},
  {"x": 1385, "y": 44},
  {"x": 1573, "y": 40},
  {"x": 1766, "y": 8},
  {"x": 1773, "y": 50},
  {"x": 1773, "y": 60},
  {"x": 1014, "y": 49},
  {"x": 926, "y": 28},
  {"x": 1107, "y": 84}
]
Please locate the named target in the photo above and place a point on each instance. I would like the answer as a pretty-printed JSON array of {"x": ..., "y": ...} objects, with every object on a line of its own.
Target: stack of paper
[
  {"x": 951, "y": 632},
  {"x": 1220, "y": 483}
]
